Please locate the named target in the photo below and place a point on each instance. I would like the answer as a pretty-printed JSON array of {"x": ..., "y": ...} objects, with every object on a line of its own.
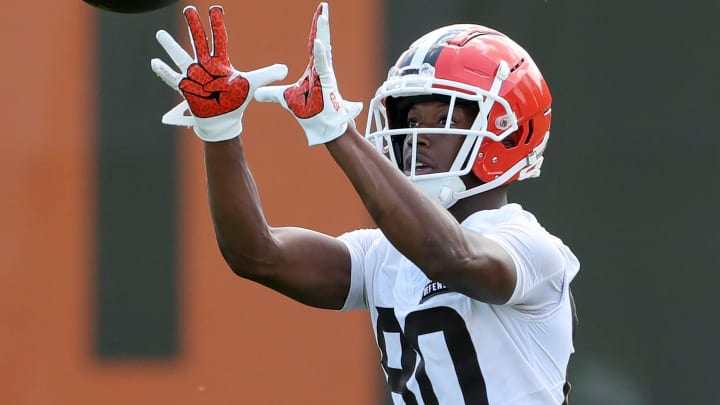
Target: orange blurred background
[{"x": 239, "y": 343}]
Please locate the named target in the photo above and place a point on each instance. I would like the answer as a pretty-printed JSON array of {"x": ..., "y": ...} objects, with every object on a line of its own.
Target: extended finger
[
  {"x": 313, "y": 27},
  {"x": 164, "y": 72},
  {"x": 271, "y": 94},
  {"x": 176, "y": 116},
  {"x": 323, "y": 25},
  {"x": 197, "y": 33},
  {"x": 220, "y": 38},
  {"x": 174, "y": 50},
  {"x": 322, "y": 63},
  {"x": 267, "y": 75}
]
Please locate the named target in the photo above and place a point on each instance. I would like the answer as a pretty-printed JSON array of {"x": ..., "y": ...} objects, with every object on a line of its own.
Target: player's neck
[{"x": 489, "y": 200}]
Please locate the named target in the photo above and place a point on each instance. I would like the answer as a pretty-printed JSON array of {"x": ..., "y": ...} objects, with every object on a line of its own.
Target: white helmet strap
[{"x": 444, "y": 190}]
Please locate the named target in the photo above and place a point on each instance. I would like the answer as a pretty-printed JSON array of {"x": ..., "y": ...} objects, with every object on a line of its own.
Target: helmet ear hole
[
  {"x": 523, "y": 135},
  {"x": 529, "y": 132},
  {"x": 512, "y": 140}
]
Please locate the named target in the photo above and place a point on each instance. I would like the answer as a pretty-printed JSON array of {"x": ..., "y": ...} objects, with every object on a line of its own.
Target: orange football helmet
[{"x": 468, "y": 63}]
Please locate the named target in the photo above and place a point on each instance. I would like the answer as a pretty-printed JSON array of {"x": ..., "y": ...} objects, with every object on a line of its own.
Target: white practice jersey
[{"x": 442, "y": 347}]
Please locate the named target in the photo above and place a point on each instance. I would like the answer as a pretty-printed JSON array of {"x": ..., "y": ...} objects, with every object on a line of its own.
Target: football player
[{"x": 468, "y": 294}]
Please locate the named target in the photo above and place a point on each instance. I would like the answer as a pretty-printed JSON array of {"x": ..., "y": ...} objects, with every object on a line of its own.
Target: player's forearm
[
  {"x": 422, "y": 230},
  {"x": 242, "y": 232}
]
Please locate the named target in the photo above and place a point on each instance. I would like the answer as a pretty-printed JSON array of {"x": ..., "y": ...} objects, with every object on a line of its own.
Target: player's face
[{"x": 435, "y": 153}]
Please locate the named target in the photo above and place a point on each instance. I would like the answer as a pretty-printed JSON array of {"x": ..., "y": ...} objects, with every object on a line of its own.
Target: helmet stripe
[
  {"x": 406, "y": 57},
  {"x": 428, "y": 48}
]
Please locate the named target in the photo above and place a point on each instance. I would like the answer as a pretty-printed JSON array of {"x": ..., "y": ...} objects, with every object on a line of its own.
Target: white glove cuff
[
  {"x": 329, "y": 134},
  {"x": 323, "y": 132},
  {"x": 217, "y": 129}
]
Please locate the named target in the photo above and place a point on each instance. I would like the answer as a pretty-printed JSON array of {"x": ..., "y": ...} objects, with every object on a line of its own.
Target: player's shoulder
[
  {"x": 519, "y": 230},
  {"x": 507, "y": 215}
]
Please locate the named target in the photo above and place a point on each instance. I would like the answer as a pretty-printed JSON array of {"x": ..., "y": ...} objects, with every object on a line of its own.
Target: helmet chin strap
[{"x": 444, "y": 190}]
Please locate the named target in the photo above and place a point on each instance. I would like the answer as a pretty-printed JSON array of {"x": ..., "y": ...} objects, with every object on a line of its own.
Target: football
[{"x": 130, "y": 6}]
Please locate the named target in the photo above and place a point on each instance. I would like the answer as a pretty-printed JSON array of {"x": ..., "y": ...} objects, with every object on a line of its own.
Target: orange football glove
[{"x": 215, "y": 93}]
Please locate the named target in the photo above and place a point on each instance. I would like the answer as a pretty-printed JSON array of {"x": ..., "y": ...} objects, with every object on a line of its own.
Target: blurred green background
[{"x": 629, "y": 181}]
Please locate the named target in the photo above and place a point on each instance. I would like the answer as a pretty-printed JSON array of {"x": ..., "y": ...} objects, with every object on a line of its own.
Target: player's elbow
[
  {"x": 251, "y": 266},
  {"x": 445, "y": 268},
  {"x": 443, "y": 262}
]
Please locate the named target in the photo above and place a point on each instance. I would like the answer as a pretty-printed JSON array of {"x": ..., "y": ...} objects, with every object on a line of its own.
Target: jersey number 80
[{"x": 459, "y": 345}]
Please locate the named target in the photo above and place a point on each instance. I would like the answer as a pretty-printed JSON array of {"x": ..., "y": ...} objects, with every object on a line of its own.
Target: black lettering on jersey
[
  {"x": 432, "y": 289},
  {"x": 463, "y": 355}
]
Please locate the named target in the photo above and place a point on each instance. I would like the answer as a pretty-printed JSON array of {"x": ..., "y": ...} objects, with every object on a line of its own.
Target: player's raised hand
[
  {"x": 215, "y": 93},
  {"x": 315, "y": 100}
]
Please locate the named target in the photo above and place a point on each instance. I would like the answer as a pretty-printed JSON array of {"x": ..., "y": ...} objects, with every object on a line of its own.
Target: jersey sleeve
[
  {"x": 540, "y": 264},
  {"x": 358, "y": 243}
]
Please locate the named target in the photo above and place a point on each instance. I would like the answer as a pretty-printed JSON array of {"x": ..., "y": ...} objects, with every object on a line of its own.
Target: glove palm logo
[
  {"x": 305, "y": 99},
  {"x": 209, "y": 86}
]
